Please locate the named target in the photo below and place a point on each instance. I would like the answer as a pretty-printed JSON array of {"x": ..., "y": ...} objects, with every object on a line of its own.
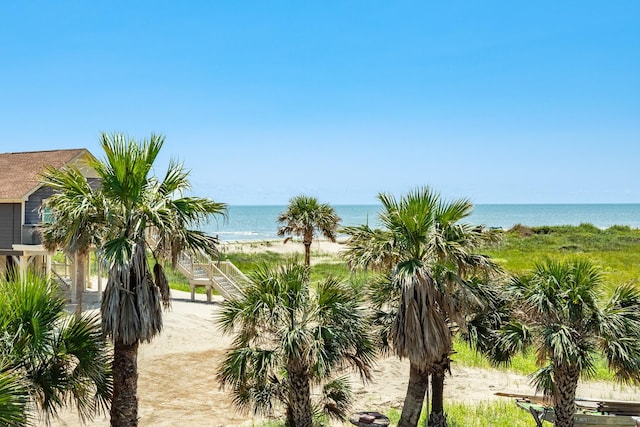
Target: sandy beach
[{"x": 177, "y": 385}]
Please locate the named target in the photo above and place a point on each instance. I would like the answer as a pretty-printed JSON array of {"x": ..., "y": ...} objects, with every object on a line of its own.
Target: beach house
[{"x": 21, "y": 211}]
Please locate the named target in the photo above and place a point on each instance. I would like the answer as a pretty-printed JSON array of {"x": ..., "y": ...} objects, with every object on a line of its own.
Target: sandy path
[{"x": 176, "y": 382}]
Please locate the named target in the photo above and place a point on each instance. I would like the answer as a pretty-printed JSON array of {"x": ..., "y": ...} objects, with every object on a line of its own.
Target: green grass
[
  {"x": 487, "y": 414},
  {"x": 271, "y": 423},
  {"x": 322, "y": 270},
  {"x": 484, "y": 414},
  {"x": 523, "y": 364},
  {"x": 248, "y": 262},
  {"x": 615, "y": 250},
  {"x": 464, "y": 355}
]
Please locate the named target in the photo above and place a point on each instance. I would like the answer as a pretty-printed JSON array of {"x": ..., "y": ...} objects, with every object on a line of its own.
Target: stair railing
[
  {"x": 187, "y": 264},
  {"x": 215, "y": 271},
  {"x": 234, "y": 272}
]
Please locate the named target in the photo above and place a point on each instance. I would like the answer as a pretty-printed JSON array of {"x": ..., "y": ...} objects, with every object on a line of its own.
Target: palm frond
[
  {"x": 14, "y": 398},
  {"x": 131, "y": 310},
  {"x": 542, "y": 380},
  {"x": 77, "y": 210},
  {"x": 618, "y": 327},
  {"x": 367, "y": 247},
  {"x": 514, "y": 337},
  {"x": 420, "y": 331},
  {"x": 337, "y": 398},
  {"x": 162, "y": 283}
]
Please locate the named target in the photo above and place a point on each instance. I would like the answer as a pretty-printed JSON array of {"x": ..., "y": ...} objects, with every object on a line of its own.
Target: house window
[{"x": 47, "y": 215}]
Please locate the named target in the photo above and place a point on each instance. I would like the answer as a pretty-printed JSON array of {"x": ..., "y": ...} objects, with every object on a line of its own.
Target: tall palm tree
[
  {"x": 76, "y": 209},
  {"x": 289, "y": 338},
  {"x": 559, "y": 314},
  {"x": 304, "y": 217},
  {"x": 48, "y": 358},
  {"x": 136, "y": 202},
  {"x": 428, "y": 290}
]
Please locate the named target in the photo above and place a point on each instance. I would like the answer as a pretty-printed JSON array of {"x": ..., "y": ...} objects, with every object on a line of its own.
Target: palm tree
[
  {"x": 290, "y": 338},
  {"x": 76, "y": 209},
  {"x": 559, "y": 315},
  {"x": 135, "y": 204},
  {"x": 48, "y": 358},
  {"x": 304, "y": 217},
  {"x": 429, "y": 289}
]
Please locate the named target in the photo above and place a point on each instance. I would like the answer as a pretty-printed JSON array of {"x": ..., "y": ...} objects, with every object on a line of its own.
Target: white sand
[{"x": 177, "y": 385}]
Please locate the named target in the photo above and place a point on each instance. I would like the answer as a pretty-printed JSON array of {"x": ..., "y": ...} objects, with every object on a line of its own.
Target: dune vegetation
[{"x": 616, "y": 250}]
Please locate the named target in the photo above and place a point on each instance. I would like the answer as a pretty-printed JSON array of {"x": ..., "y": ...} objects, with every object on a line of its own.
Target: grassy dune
[{"x": 615, "y": 250}]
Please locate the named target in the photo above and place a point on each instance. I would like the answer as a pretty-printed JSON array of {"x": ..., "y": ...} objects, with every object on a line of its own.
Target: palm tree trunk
[
  {"x": 564, "y": 399},
  {"x": 124, "y": 404},
  {"x": 307, "y": 253},
  {"x": 413, "y": 401},
  {"x": 307, "y": 238},
  {"x": 81, "y": 280},
  {"x": 437, "y": 417},
  {"x": 299, "y": 413}
]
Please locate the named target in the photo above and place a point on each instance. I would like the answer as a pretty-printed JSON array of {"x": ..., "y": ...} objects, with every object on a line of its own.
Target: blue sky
[{"x": 497, "y": 101}]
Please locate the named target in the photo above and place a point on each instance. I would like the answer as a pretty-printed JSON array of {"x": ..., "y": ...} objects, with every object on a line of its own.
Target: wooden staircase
[{"x": 223, "y": 276}]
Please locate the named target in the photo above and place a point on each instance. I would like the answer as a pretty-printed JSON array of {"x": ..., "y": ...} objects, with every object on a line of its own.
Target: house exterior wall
[
  {"x": 32, "y": 214},
  {"x": 10, "y": 224},
  {"x": 94, "y": 183}
]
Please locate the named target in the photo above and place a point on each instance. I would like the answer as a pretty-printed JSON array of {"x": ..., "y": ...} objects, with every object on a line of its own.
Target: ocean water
[{"x": 259, "y": 222}]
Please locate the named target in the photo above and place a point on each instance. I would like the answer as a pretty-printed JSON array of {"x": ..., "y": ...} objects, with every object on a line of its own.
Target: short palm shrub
[
  {"x": 291, "y": 340},
  {"x": 48, "y": 358}
]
